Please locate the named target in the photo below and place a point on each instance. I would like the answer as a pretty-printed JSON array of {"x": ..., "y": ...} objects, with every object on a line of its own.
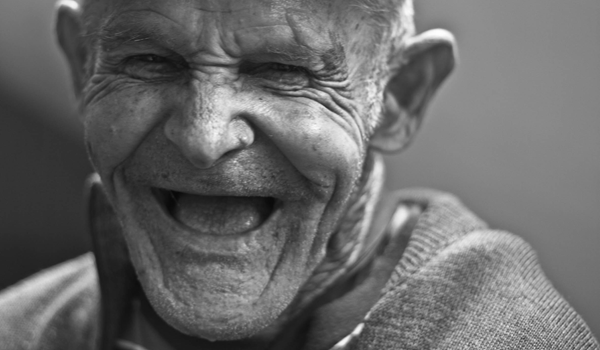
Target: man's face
[{"x": 229, "y": 136}]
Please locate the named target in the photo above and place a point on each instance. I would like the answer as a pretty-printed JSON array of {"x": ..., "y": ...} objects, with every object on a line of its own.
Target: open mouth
[{"x": 216, "y": 215}]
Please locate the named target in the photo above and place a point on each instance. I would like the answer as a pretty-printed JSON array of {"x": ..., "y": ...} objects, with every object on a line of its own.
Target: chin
[{"x": 224, "y": 320}]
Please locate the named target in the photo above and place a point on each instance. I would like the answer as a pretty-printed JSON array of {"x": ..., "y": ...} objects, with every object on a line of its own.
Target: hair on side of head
[
  {"x": 392, "y": 22},
  {"x": 392, "y": 19}
]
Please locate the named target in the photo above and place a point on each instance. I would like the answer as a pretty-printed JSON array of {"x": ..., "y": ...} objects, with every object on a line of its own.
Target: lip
[
  {"x": 146, "y": 217},
  {"x": 168, "y": 200}
]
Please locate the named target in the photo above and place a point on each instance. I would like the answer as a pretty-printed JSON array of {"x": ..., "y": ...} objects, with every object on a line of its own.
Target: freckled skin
[{"x": 214, "y": 117}]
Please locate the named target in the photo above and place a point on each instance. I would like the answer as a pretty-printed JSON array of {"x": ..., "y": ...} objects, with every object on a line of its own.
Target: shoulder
[
  {"x": 461, "y": 285},
  {"x": 54, "y": 309}
]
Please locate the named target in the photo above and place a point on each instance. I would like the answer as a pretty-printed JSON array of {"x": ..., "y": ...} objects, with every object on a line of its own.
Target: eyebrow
[
  {"x": 327, "y": 45},
  {"x": 315, "y": 60},
  {"x": 109, "y": 41},
  {"x": 331, "y": 58},
  {"x": 288, "y": 46},
  {"x": 334, "y": 58},
  {"x": 114, "y": 35}
]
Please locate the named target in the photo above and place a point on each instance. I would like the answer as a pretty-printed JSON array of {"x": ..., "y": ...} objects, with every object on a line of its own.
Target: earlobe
[
  {"x": 424, "y": 64},
  {"x": 70, "y": 38}
]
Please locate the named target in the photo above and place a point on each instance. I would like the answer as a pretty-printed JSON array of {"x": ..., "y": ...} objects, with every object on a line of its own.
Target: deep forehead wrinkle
[{"x": 127, "y": 27}]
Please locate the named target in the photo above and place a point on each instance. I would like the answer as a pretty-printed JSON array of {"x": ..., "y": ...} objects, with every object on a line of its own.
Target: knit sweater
[{"x": 458, "y": 285}]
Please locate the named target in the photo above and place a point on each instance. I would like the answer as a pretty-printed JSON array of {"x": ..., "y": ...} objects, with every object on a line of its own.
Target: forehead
[{"x": 239, "y": 27}]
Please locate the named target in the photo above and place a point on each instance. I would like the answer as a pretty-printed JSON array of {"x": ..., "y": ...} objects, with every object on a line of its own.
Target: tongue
[{"x": 221, "y": 215}]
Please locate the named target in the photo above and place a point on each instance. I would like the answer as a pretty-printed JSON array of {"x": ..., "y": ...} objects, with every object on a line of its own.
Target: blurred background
[{"x": 515, "y": 134}]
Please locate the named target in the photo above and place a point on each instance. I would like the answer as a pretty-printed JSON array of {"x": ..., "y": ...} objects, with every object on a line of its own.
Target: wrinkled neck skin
[{"x": 345, "y": 248}]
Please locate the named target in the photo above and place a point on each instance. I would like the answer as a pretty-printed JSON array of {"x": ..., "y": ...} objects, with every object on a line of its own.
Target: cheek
[
  {"x": 318, "y": 145},
  {"x": 116, "y": 125}
]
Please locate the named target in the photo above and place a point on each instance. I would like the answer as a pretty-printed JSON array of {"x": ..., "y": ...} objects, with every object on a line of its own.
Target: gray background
[{"x": 515, "y": 133}]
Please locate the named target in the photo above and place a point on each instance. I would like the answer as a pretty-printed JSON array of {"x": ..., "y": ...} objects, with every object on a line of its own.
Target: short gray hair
[{"x": 392, "y": 22}]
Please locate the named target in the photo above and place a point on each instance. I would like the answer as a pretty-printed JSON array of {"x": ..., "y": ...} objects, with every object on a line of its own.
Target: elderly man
[{"x": 238, "y": 200}]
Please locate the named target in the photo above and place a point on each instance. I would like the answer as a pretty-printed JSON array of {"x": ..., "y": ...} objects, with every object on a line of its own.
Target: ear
[
  {"x": 69, "y": 32},
  {"x": 427, "y": 60}
]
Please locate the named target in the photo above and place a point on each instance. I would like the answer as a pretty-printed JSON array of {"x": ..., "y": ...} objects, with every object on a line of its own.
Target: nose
[{"x": 208, "y": 125}]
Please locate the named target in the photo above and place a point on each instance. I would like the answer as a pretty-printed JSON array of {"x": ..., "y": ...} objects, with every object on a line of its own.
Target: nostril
[{"x": 229, "y": 154}]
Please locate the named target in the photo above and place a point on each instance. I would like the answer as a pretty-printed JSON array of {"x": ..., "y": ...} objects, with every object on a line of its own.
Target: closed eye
[
  {"x": 148, "y": 58},
  {"x": 152, "y": 66},
  {"x": 286, "y": 68},
  {"x": 251, "y": 68},
  {"x": 277, "y": 75}
]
